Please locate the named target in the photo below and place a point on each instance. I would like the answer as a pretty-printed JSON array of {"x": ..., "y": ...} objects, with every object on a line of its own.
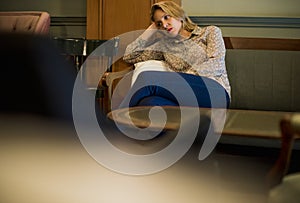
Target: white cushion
[{"x": 150, "y": 65}]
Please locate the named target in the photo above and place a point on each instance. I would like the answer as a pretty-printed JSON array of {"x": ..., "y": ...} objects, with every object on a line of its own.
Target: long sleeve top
[{"x": 203, "y": 53}]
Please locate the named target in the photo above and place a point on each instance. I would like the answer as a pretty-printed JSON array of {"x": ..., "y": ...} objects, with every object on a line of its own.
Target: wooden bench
[
  {"x": 254, "y": 114},
  {"x": 257, "y": 106}
]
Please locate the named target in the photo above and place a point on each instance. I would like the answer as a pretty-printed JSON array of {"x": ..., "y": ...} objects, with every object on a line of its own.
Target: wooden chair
[
  {"x": 80, "y": 52},
  {"x": 285, "y": 187},
  {"x": 76, "y": 50},
  {"x": 36, "y": 22}
]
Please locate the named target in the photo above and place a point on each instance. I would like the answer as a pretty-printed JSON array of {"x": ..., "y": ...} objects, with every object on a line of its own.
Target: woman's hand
[
  {"x": 149, "y": 31},
  {"x": 152, "y": 26}
]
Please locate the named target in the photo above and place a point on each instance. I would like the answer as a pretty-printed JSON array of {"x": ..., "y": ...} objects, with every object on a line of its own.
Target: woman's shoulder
[
  {"x": 212, "y": 28},
  {"x": 207, "y": 29}
]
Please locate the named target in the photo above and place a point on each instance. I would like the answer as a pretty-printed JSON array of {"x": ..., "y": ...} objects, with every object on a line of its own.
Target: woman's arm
[
  {"x": 214, "y": 67},
  {"x": 215, "y": 50},
  {"x": 140, "y": 49}
]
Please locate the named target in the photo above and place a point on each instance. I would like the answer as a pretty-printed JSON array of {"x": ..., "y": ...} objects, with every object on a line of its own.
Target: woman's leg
[
  {"x": 156, "y": 101},
  {"x": 155, "y": 88},
  {"x": 209, "y": 93}
]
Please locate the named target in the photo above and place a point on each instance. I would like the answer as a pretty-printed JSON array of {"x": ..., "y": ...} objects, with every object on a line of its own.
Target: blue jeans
[{"x": 156, "y": 88}]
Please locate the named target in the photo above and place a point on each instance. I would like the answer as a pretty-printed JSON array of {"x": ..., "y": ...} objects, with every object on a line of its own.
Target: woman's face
[{"x": 164, "y": 21}]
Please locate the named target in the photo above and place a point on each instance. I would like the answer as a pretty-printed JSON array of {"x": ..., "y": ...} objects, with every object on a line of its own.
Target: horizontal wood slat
[{"x": 262, "y": 43}]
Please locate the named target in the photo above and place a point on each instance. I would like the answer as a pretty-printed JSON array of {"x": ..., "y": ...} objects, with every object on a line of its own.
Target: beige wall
[
  {"x": 262, "y": 8},
  {"x": 249, "y": 8},
  {"x": 258, "y": 8}
]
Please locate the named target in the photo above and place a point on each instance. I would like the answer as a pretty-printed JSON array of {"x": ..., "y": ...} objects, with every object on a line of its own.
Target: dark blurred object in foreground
[{"x": 34, "y": 77}]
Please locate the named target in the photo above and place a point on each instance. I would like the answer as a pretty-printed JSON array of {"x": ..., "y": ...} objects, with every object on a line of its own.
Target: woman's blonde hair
[{"x": 175, "y": 11}]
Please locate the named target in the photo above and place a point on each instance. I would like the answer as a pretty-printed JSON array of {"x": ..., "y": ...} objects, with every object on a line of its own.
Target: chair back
[
  {"x": 36, "y": 22},
  {"x": 76, "y": 50}
]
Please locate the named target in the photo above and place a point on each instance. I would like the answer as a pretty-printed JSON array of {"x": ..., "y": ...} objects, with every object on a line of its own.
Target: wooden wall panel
[
  {"x": 110, "y": 18},
  {"x": 92, "y": 19},
  {"x": 121, "y": 16}
]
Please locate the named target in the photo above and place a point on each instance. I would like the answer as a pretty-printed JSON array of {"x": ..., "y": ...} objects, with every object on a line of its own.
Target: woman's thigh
[{"x": 154, "y": 88}]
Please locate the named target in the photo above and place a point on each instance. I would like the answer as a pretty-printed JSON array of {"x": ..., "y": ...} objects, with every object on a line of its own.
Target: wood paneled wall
[{"x": 109, "y": 18}]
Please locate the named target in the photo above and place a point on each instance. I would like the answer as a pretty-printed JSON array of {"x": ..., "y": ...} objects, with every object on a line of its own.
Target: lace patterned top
[{"x": 203, "y": 53}]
